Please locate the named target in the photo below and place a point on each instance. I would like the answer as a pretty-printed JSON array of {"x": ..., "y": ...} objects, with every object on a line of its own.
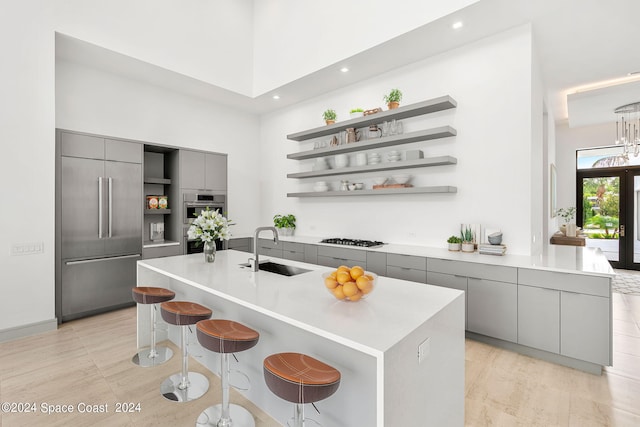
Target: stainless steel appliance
[
  {"x": 193, "y": 204},
  {"x": 353, "y": 242},
  {"x": 98, "y": 224}
]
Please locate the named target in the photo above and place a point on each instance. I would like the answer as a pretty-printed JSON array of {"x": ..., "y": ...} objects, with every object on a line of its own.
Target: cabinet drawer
[
  {"x": 352, "y": 254},
  {"x": 579, "y": 283},
  {"x": 407, "y": 261},
  {"x": 473, "y": 269},
  {"x": 270, "y": 252},
  {"x": 293, "y": 247},
  {"x": 269, "y": 243},
  {"x": 335, "y": 262},
  {"x": 404, "y": 273},
  {"x": 292, "y": 255}
]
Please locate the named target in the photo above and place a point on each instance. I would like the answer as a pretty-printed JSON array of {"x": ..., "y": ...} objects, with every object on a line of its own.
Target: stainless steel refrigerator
[{"x": 98, "y": 223}]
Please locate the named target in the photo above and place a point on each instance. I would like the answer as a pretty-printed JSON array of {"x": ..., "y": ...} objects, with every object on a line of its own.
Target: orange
[
  {"x": 343, "y": 277},
  {"x": 330, "y": 282},
  {"x": 333, "y": 275},
  {"x": 338, "y": 293},
  {"x": 356, "y": 297},
  {"x": 343, "y": 268},
  {"x": 368, "y": 276},
  {"x": 356, "y": 272},
  {"x": 349, "y": 289}
]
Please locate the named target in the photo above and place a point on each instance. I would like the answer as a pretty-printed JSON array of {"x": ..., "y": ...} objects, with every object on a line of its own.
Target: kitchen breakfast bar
[{"x": 400, "y": 350}]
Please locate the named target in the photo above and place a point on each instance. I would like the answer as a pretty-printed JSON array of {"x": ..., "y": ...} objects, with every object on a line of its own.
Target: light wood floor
[{"x": 89, "y": 361}]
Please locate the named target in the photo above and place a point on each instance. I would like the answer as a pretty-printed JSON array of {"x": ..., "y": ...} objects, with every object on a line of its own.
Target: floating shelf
[
  {"x": 418, "y": 163},
  {"x": 157, "y": 211},
  {"x": 370, "y": 144},
  {"x": 412, "y": 110},
  {"x": 162, "y": 181},
  {"x": 410, "y": 190}
]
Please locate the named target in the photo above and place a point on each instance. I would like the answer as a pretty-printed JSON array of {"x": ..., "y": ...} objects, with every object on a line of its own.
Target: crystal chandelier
[{"x": 628, "y": 127}]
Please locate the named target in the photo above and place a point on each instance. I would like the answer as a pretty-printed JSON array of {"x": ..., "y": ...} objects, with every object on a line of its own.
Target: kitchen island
[{"x": 374, "y": 343}]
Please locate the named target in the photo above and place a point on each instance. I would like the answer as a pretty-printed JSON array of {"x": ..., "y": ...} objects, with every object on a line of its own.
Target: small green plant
[
  {"x": 454, "y": 239},
  {"x": 329, "y": 115},
  {"x": 284, "y": 221},
  {"x": 394, "y": 96},
  {"x": 356, "y": 110},
  {"x": 567, "y": 214},
  {"x": 467, "y": 235}
]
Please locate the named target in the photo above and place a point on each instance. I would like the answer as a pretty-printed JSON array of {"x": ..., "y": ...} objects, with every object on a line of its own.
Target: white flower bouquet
[{"x": 209, "y": 226}]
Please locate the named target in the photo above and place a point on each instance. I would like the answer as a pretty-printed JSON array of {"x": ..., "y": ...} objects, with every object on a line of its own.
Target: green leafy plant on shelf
[
  {"x": 467, "y": 235},
  {"x": 329, "y": 115},
  {"x": 356, "y": 110},
  {"x": 393, "y": 98},
  {"x": 454, "y": 239}
]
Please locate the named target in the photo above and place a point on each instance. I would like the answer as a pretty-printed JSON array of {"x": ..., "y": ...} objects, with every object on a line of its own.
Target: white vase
[
  {"x": 468, "y": 247},
  {"x": 454, "y": 247},
  {"x": 571, "y": 230}
]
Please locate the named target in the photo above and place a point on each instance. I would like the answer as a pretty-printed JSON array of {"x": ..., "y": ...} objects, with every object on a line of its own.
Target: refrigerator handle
[
  {"x": 110, "y": 204},
  {"x": 99, "y": 207}
]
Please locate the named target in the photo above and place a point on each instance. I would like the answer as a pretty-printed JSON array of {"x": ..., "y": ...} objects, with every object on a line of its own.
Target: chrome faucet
[{"x": 253, "y": 262}]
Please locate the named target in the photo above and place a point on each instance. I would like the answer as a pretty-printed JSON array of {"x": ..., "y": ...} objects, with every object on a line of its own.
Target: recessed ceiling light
[
  {"x": 276, "y": 96},
  {"x": 457, "y": 25},
  {"x": 344, "y": 69}
]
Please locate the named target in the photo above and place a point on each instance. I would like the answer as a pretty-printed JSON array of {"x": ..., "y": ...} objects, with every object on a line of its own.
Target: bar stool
[
  {"x": 225, "y": 337},
  {"x": 300, "y": 379},
  {"x": 184, "y": 386},
  {"x": 154, "y": 355}
]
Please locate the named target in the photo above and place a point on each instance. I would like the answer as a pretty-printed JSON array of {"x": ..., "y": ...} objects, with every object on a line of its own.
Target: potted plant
[
  {"x": 467, "y": 240},
  {"x": 329, "y": 116},
  {"x": 393, "y": 98},
  {"x": 454, "y": 243},
  {"x": 356, "y": 112},
  {"x": 285, "y": 224},
  {"x": 567, "y": 214}
]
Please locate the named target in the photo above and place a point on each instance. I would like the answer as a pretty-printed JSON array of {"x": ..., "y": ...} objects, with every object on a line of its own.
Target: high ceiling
[{"x": 580, "y": 43}]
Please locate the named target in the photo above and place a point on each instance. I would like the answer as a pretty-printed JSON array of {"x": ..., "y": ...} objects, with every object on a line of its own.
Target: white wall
[
  {"x": 93, "y": 101},
  {"x": 312, "y": 35},
  {"x": 493, "y": 148},
  {"x": 210, "y": 40}
]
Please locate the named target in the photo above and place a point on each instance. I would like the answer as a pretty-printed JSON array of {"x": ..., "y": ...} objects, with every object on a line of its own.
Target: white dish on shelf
[
  {"x": 401, "y": 179},
  {"x": 379, "y": 180}
]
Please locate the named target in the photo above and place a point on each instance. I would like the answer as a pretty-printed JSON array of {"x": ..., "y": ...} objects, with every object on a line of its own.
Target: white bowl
[
  {"x": 359, "y": 185},
  {"x": 379, "y": 180},
  {"x": 401, "y": 179}
]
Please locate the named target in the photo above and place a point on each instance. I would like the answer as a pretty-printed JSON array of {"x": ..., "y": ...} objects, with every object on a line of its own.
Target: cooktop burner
[{"x": 353, "y": 242}]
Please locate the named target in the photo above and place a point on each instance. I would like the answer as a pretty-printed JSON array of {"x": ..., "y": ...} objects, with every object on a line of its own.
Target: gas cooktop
[{"x": 353, "y": 242}]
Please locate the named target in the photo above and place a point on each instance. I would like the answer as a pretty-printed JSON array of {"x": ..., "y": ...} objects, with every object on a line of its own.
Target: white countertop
[
  {"x": 372, "y": 325},
  {"x": 566, "y": 259}
]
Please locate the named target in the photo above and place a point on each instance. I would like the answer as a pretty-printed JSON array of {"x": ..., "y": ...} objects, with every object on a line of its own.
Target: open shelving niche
[{"x": 413, "y": 110}]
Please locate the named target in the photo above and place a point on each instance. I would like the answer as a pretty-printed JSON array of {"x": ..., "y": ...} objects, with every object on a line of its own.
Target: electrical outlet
[
  {"x": 423, "y": 350},
  {"x": 27, "y": 248}
]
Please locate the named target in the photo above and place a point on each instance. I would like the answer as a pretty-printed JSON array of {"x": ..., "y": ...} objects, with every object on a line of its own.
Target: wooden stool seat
[
  {"x": 184, "y": 312},
  {"x": 299, "y": 378},
  {"x": 226, "y": 336},
  {"x": 151, "y": 295}
]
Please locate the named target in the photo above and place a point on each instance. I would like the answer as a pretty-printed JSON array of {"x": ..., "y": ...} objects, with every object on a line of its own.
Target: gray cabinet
[
  {"x": 407, "y": 267},
  {"x": 451, "y": 281},
  {"x": 203, "y": 171},
  {"x": 293, "y": 251},
  {"x": 269, "y": 248},
  {"x": 377, "y": 262},
  {"x": 335, "y": 257},
  {"x": 493, "y": 308},
  {"x": 539, "y": 318},
  {"x": 585, "y": 326},
  {"x": 99, "y": 148},
  {"x": 311, "y": 254},
  {"x": 240, "y": 244}
]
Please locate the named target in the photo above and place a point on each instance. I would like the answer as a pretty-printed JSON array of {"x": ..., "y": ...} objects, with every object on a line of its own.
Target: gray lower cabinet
[
  {"x": 493, "y": 308},
  {"x": 407, "y": 267},
  {"x": 161, "y": 251},
  {"x": 311, "y": 254},
  {"x": 539, "y": 318},
  {"x": 240, "y": 244},
  {"x": 377, "y": 262},
  {"x": 585, "y": 327},
  {"x": 269, "y": 248},
  {"x": 335, "y": 257},
  {"x": 451, "y": 281},
  {"x": 293, "y": 251}
]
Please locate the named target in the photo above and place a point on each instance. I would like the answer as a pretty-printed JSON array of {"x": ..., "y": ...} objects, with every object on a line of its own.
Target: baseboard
[{"x": 16, "y": 332}]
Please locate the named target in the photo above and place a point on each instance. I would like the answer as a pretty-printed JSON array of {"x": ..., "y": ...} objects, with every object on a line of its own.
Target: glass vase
[{"x": 209, "y": 251}]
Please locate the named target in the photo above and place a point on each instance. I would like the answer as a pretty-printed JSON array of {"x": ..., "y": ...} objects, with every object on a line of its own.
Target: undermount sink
[{"x": 282, "y": 269}]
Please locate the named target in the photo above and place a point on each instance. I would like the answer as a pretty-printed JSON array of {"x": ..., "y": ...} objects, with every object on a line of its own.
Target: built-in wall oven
[{"x": 193, "y": 204}]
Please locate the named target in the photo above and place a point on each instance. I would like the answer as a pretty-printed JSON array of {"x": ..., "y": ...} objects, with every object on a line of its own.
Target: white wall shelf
[
  {"x": 419, "y": 163},
  {"x": 382, "y": 191}
]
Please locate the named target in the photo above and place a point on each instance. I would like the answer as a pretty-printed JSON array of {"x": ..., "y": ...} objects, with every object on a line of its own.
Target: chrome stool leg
[
  {"x": 184, "y": 386},
  {"x": 154, "y": 355}
]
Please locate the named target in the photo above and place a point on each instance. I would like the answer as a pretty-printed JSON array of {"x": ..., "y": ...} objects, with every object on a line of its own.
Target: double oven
[{"x": 193, "y": 204}]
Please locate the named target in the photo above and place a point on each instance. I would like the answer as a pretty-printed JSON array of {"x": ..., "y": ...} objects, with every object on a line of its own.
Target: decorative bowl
[
  {"x": 379, "y": 180},
  {"x": 351, "y": 289},
  {"x": 401, "y": 179},
  {"x": 495, "y": 238}
]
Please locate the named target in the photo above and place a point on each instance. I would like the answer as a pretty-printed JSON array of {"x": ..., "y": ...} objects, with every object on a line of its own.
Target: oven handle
[{"x": 202, "y": 204}]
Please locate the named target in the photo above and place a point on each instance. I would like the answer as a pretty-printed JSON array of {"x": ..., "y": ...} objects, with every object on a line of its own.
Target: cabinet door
[
  {"x": 192, "y": 170},
  {"x": 85, "y": 146},
  {"x": 404, "y": 273},
  {"x": 539, "y": 318},
  {"x": 377, "y": 262},
  {"x": 311, "y": 254},
  {"x": 240, "y": 244},
  {"x": 493, "y": 308},
  {"x": 585, "y": 325},
  {"x": 215, "y": 171},
  {"x": 450, "y": 281},
  {"x": 122, "y": 151}
]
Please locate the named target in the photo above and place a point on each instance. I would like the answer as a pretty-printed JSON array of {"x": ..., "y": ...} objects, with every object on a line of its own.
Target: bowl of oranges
[{"x": 350, "y": 283}]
